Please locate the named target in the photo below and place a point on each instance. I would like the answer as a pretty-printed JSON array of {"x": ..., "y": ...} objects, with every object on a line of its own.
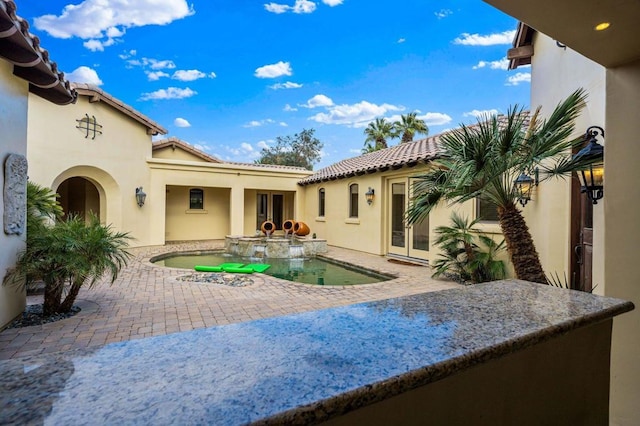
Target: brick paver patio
[{"x": 147, "y": 300}]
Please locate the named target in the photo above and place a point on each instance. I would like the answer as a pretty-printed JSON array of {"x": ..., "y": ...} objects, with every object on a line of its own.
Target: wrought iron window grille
[{"x": 90, "y": 126}]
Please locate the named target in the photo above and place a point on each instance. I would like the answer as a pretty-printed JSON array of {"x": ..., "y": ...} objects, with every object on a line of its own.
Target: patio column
[{"x": 236, "y": 210}]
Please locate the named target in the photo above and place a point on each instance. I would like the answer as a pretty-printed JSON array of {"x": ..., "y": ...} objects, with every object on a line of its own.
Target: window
[
  {"x": 486, "y": 211},
  {"x": 353, "y": 200},
  {"x": 321, "y": 202},
  {"x": 196, "y": 199}
]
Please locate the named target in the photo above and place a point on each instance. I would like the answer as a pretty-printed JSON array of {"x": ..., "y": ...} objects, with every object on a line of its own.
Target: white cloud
[
  {"x": 467, "y": 39},
  {"x": 94, "y": 45},
  {"x": 481, "y": 113},
  {"x": 169, "y": 93},
  {"x": 289, "y": 108},
  {"x": 332, "y": 3},
  {"x": 355, "y": 151},
  {"x": 158, "y": 65},
  {"x": 274, "y": 70},
  {"x": 191, "y": 75},
  {"x": 502, "y": 64},
  {"x": 300, "y": 6},
  {"x": 262, "y": 145},
  {"x": 286, "y": 85},
  {"x": 99, "y": 19},
  {"x": 401, "y": 40},
  {"x": 181, "y": 122},
  {"x": 283, "y": 124},
  {"x": 430, "y": 118},
  {"x": 258, "y": 123},
  {"x": 521, "y": 77},
  {"x": 129, "y": 54},
  {"x": 84, "y": 75},
  {"x": 318, "y": 101},
  {"x": 156, "y": 75},
  {"x": 354, "y": 115},
  {"x": 443, "y": 13},
  {"x": 247, "y": 147}
]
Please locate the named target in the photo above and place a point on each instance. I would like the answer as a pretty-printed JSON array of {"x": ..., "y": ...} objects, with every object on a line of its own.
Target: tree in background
[
  {"x": 408, "y": 126},
  {"x": 377, "y": 133},
  {"x": 301, "y": 150},
  {"x": 482, "y": 161}
]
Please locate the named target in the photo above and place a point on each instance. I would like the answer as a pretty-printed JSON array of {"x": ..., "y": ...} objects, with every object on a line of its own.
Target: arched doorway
[{"x": 80, "y": 197}]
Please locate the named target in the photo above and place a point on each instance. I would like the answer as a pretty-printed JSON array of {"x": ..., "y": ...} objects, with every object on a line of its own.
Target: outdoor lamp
[
  {"x": 592, "y": 176},
  {"x": 140, "y": 196},
  {"x": 369, "y": 195},
  {"x": 523, "y": 186}
]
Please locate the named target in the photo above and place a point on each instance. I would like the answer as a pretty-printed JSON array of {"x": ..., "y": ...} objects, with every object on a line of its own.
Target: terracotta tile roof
[
  {"x": 98, "y": 95},
  {"x": 30, "y": 61},
  {"x": 402, "y": 155},
  {"x": 396, "y": 157},
  {"x": 173, "y": 142}
]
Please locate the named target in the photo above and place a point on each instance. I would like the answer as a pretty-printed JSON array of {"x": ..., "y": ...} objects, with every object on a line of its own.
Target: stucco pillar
[
  {"x": 236, "y": 210},
  {"x": 621, "y": 235}
]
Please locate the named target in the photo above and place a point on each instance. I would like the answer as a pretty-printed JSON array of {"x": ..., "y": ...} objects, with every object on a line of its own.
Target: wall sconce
[
  {"x": 140, "y": 196},
  {"x": 523, "y": 186},
  {"x": 369, "y": 195},
  {"x": 592, "y": 177}
]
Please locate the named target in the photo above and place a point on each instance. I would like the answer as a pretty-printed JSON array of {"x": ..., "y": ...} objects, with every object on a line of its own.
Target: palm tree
[
  {"x": 377, "y": 133},
  {"x": 483, "y": 160},
  {"x": 408, "y": 126}
]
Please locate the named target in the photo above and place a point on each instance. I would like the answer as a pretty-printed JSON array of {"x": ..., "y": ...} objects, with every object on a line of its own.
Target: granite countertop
[{"x": 301, "y": 368}]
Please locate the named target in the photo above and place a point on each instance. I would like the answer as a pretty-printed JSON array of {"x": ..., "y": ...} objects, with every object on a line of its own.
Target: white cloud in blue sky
[
  {"x": 501, "y": 64},
  {"x": 353, "y": 115},
  {"x": 191, "y": 75},
  {"x": 285, "y": 85},
  {"x": 84, "y": 75},
  {"x": 300, "y": 6},
  {"x": 169, "y": 93},
  {"x": 107, "y": 19},
  {"x": 505, "y": 37},
  {"x": 181, "y": 122},
  {"x": 274, "y": 70},
  {"x": 443, "y": 13},
  {"x": 516, "y": 79},
  {"x": 318, "y": 101}
]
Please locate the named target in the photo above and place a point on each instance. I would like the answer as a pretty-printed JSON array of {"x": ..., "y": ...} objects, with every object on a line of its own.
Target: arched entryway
[{"x": 80, "y": 197}]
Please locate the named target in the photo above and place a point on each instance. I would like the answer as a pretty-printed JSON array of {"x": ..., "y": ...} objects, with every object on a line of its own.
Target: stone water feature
[{"x": 274, "y": 247}]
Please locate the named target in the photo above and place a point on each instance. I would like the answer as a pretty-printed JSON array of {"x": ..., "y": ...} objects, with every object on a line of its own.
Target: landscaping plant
[
  {"x": 66, "y": 254},
  {"x": 468, "y": 254}
]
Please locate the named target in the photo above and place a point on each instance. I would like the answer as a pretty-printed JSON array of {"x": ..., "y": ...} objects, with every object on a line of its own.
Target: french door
[
  {"x": 403, "y": 239},
  {"x": 270, "y": 207}
]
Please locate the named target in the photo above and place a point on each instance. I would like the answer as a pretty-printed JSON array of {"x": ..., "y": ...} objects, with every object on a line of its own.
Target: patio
[{"x": 148, "y": 301}]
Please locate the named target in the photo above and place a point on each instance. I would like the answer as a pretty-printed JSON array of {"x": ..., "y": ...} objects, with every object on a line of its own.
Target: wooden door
[{"x": 582, "y": 239}]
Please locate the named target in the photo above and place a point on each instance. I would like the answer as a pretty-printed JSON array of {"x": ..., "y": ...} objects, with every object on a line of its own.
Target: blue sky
[{"x": 229, "y": 76}]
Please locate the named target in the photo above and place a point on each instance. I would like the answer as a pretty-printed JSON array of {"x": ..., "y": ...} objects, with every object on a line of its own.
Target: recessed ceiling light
[{"x": 602, "y": 26}]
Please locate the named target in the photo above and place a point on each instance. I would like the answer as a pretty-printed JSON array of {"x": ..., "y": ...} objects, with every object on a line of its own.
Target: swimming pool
[{"x": 308, "y": 271}]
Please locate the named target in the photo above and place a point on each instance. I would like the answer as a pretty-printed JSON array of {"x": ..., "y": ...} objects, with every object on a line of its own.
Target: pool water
[{"x": 309, "y": 271}]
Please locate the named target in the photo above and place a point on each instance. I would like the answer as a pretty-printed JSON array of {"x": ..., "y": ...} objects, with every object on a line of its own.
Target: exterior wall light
[
  {"x": 592, "y": 176},
  {"x": 523, "y": 186},
  {"x": 141, "y": 196},
  {"x": 369, "y": 195}
]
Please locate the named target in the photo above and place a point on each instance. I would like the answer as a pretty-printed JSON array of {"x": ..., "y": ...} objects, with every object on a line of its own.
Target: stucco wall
[
  {"x": 622, "y": 234},
  {"x": 556, "y": 73},
  {"x": 13, "y": 140},
  {"x": 212, "y": 222},
  {"x": 241, "y": 183},
  {"x": 114, "y": 161}
]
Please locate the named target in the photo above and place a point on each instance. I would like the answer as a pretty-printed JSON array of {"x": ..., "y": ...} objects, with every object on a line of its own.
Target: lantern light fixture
[
  {"x": 369, "y": 195},
  {"x": 523, "y": 186},
  {"x": 141, "y": 196},
  {"x": 592, "y": 176}
]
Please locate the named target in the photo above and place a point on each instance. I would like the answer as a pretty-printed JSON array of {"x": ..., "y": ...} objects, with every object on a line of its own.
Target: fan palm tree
[
  {"x": 377, "y": 133},
  {"x": 408, "y": 126},
  {"x": 482, "y": 161}
]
